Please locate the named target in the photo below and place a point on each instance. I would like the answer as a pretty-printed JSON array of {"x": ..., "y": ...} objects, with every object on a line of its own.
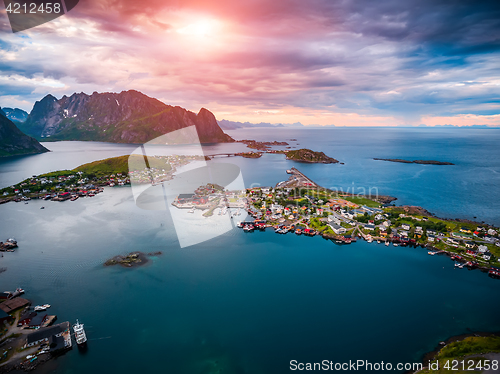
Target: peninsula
[{"x": 301, "y": 206}]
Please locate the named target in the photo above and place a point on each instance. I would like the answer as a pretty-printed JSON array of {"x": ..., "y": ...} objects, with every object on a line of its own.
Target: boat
[
  {"x": 191, "y": 210},
  {"x": 431, "y": 253},
  {"x": 395, "y": 244},
  {"x": 387, "y": 244},
  {"x": 248, "y": 228},
  {"x": 298, "y": 231},
  {"x": 20, "y": 290},
  {"x": 378, "y": 241},
  {"x": 42, "y": 207},
  {"x": 81, "y": 338},
  {"x": 46, "y": 306},
  {"x": 74, "y": 198},
  {"x": 39, "y": 308}
]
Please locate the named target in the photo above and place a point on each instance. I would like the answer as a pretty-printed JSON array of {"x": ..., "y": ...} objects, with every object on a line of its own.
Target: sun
[{"x": 199, "y": 29}]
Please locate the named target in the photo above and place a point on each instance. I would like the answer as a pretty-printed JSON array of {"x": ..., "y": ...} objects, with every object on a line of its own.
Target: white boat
[
  {"x": 395, "y": 244},
  {"x": 378, "y": 241},
  {"x": 386, "y": 244},
  {"x": 39, "y": 308},
  {"x": 46, "y": 306},
  {"x": 191, "y": 210},
  {"x": 80, "y": 336},
  {"x": 431, "y": 253}
]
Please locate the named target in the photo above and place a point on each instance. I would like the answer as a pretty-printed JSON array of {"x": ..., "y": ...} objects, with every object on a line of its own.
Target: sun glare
[{"x": 201, "y": 28}]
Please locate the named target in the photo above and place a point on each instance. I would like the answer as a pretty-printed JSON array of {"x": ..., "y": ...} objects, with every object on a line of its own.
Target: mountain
[
  {"x": 14, "y": 142},
  {"x": 125, "y": 117},
  {"x": 15, "y": 115},
  {"x": 232, "y": 125}
]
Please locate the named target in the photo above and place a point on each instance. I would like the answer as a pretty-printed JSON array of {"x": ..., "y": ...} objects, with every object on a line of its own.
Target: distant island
[
  {"x": 423, "y": 162},
  {"x": 261, "y": 146}
]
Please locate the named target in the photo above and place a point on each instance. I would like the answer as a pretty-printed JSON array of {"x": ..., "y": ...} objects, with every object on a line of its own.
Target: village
[
  {"x": 300, "y": 206},
  {"x": 28, "y": 335},
  {"x": 88, "y": 180}
]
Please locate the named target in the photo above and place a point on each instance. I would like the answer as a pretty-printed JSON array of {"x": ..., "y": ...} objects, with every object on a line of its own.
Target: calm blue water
[{"x": 250, "y": 303}]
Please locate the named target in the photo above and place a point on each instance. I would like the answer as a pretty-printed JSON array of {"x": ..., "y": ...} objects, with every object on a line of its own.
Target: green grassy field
[{"x": 473, "y": 345}]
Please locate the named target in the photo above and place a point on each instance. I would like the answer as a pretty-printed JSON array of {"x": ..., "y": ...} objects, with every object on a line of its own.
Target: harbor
[{"x": 28, "y": 335}]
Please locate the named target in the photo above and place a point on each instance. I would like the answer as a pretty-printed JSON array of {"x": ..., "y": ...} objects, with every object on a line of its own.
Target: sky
[{"x": 317, "y": 62}]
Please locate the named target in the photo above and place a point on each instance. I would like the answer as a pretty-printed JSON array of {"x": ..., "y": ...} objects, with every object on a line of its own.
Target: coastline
[{"x": 432, "y": 355}]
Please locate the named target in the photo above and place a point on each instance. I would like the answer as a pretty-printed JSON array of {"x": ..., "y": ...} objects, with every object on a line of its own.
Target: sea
[{"x": 253, "y": 302}]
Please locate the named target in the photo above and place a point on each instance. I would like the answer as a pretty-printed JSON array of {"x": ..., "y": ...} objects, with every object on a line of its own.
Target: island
[
  {"x": 307, "y": 155},
  {"x": 261, "y": 146},
  {"x": 423, "y": 162},
  {"x": 133, "y": 259}
]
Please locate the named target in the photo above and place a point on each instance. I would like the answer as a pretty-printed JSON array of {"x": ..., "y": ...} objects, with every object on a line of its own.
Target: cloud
[{"x": 387, "y": 59}]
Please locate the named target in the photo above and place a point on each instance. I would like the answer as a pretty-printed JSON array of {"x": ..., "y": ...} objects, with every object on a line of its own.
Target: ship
[{"x": 81, "y": 338}]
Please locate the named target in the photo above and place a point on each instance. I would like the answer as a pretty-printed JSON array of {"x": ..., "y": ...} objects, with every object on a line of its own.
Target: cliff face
[
  {"x": 126, "y": 117},
  {"x": 14, "y": 142}
]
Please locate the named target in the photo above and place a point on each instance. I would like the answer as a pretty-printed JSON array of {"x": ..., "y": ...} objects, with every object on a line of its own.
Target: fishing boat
[
  {"x": 387, "y": 244},
  {"x": 40, "y": 308},
  {"x": 431, "y": 253},
  {"x": 81, "y": 338},
  {"x": 248, "y": 228}
]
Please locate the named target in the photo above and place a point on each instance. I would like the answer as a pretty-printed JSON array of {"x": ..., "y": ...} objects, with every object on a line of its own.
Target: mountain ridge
[
  {"x": 15, "y": 114},
  {"x": 125, "y": 117}
]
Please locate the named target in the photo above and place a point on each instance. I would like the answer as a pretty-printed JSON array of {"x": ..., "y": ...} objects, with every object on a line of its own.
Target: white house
[
  {"x": 333, "y": 218},
  {"x": 452, "y": 241},
  {"x": 482, "y": 249},
  {"x": 492, "y": 232},
  {"x": 405, "y": 226},
  {"x": 337, "y": 229},
  {"x": 431, "y": 238},
  {"x": 370, "y": 227}
]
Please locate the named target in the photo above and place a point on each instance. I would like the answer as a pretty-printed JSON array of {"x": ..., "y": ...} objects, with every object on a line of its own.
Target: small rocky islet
[{"x": 133, "y": 259}]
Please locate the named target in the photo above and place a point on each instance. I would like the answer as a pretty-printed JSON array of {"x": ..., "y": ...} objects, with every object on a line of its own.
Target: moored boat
[{"x": 80, "y": 336}]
